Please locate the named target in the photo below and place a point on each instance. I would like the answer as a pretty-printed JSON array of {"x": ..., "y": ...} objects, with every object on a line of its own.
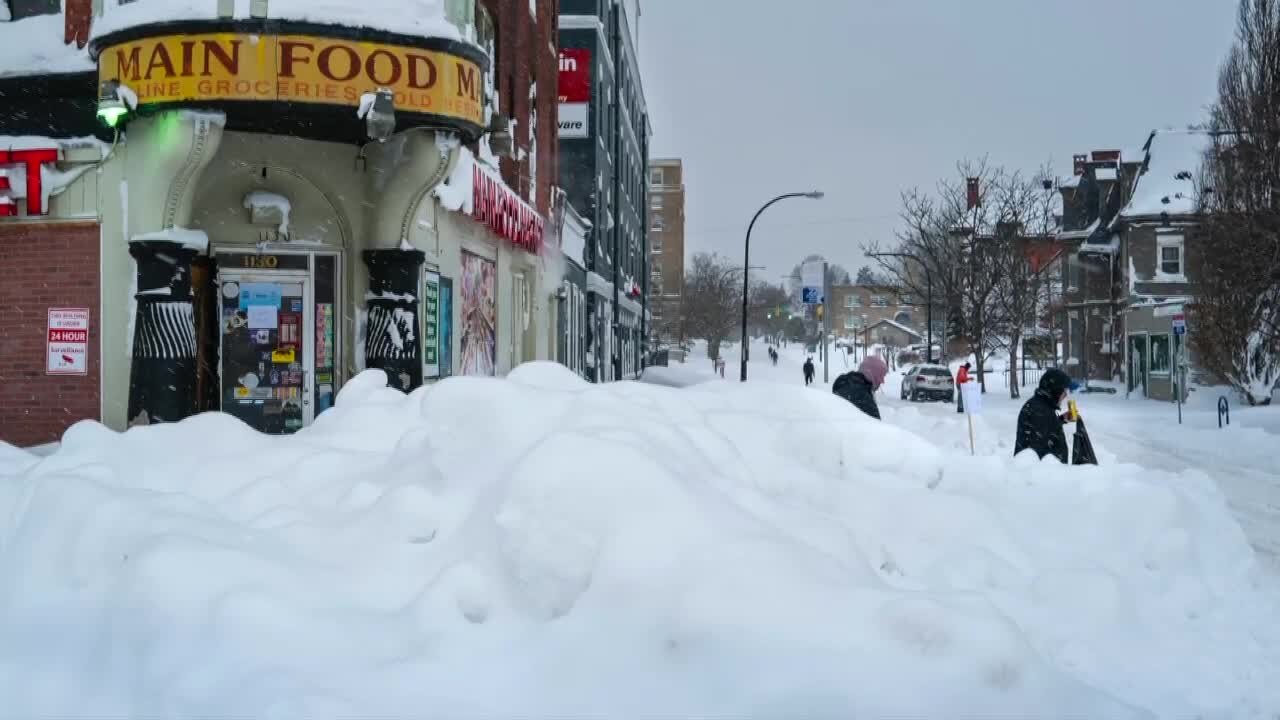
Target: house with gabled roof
[
  {"x": 1162, "y": 251},
  {"x": 1092, "y": 297}
]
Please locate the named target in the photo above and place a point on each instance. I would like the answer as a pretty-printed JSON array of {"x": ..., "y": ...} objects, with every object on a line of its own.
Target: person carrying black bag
[{"x": 1040, "y": 424}]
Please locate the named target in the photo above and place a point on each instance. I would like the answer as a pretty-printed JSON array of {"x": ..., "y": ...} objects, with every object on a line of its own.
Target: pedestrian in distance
[
  {"x": 859, "y": 387},
  {"x": 962, "y": 377},
  {"x": 808, "y": 371},
  {"x": 1040, "y": 424}
]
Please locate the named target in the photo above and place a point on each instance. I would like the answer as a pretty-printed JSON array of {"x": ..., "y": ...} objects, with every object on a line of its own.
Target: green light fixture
[{"x": 111, "y": 108}]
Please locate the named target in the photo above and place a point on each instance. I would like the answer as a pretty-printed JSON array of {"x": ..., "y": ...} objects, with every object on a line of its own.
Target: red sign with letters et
[{"x": 31, "y": 160}]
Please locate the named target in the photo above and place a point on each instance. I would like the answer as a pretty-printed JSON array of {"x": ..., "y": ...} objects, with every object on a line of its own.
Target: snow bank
[
  {"x": 542, "y": 547},
  {"x": 408, "y": 17},
  {"x": 35, "y": 46}
]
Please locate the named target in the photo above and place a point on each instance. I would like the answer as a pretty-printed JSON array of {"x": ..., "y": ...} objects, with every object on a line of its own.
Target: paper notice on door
[{"x": 263, "y": 317}]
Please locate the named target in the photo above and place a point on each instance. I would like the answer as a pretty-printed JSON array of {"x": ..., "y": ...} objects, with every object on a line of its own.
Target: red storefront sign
[
  {"x": 575, "y": 75},
  {"x": 505, "y": 213},
  {"x": 32, "y": 160}
]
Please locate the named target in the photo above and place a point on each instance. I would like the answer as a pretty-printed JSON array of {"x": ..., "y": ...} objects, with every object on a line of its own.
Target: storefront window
[
  {"x": 1161, "y": 358},
  {"x": 326, "y": 327},
  {"x": 19, "y": 9},
  {"x": 460, "y": 12}
]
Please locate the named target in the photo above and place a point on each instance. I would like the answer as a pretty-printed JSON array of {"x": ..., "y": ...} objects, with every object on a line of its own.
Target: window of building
[
  {"x": 906, "y": 300},
  {"x": 1170, "y": 258},
  {"x": 655, "y": 176},
  {"x": 852, "y": 301},
  {"x": 1075, "y": 274},
  {"x": 879, "y": 301},
  {"x": 655, "y": 202},
  {"x": 903, "y": 318},
  {"x": 1161, "y": 356},
  {"x": 851, "y": 323},
  {"x": 19, "y": 9}
]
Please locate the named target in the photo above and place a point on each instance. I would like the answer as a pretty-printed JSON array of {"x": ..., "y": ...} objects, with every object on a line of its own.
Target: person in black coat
[
  {"x": 859, "y": 387},
  {"x": 1039, "y": 423},
  {"x": 808, "y": 371}
]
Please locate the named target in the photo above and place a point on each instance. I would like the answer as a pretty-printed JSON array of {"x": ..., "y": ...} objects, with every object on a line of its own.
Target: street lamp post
[
  {"x": 746, "y": 264},
  {"x": 928, "y": 279}
]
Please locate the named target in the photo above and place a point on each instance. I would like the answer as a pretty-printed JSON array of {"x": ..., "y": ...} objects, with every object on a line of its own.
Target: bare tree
[
  {"x": 1023, "y": 247},
  {"x": 712, "y": 303},
  {"x": 1237, "y": 307},
  {"x": 769, "y": 308},
  {"x": 953, "y": 239}
]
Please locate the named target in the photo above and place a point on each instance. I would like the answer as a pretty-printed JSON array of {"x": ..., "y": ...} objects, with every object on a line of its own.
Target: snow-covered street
[
  {"x": 1240, "y": 458},
  {"x": 545, "y": 547}
]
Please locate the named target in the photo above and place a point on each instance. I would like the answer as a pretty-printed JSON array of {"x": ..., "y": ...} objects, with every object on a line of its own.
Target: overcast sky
[{"x": 864, "y": 98}]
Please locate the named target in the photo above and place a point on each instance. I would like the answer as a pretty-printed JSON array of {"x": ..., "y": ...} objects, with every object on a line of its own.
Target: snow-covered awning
[{"x": 425, "y": 18}]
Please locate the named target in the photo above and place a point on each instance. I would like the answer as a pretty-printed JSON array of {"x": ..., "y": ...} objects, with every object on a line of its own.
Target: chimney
[
  {"x": 1078, "y": 163},
  {"x": 78, "y": 20}
]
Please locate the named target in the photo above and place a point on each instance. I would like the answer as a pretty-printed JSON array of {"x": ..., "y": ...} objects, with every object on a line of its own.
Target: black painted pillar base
[
  {"x": 162, "y": 376},
  {"x": 392, "y": 336}
]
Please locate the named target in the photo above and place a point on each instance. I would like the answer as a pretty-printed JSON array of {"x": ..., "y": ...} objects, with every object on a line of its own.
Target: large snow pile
[
  {"x": 540, "y": 547},
  {"x": 408, "y": 17}
]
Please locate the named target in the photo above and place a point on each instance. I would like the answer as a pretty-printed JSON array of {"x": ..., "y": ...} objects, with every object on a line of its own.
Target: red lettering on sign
[
  {"x": 511, "y": 218},
  {"x": 69, "y": 336},
  {"x": 31, "y": 160}
]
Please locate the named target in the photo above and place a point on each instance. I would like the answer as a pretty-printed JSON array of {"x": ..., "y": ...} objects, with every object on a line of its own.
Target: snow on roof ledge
[
  {"x": 191, "y": 239},
  {"x": 1159, "y": 189},
  {"x": 425, "y": 18},
  {"x": 36, "y": 46}
]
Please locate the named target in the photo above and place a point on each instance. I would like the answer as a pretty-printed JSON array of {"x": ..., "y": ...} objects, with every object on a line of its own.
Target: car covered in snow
[{"x": 928, "y": 382}]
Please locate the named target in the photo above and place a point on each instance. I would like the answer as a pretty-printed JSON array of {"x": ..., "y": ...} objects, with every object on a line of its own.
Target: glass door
[
  {"x": 1138, "y": 364},
  {"x": 267, "y": 357}
]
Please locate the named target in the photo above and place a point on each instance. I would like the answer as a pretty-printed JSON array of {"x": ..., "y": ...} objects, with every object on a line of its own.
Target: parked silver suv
[{"x": 928, "y": 382}]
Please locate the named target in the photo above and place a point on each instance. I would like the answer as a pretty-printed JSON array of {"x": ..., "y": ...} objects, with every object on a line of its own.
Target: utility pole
[{"x": 826, "y": 296}]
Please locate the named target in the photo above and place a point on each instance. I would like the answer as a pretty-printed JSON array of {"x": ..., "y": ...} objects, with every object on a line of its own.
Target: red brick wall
[
  {"x": 527, "y": 53},
  {"x": 45, "y": 265}
]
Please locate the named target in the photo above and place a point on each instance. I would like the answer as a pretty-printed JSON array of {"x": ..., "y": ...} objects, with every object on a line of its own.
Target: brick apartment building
[
  {"x": 604, "y": 170},
  {"x": 666, "y": 245},
  {"x": 1132, "y": 258},
  {"x": 857, "y": 308}
]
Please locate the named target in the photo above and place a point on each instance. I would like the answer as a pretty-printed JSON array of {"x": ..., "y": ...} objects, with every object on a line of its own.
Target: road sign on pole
[
  {"x": 1179, "y": 324},
  {"x": 811, "y": 282}
]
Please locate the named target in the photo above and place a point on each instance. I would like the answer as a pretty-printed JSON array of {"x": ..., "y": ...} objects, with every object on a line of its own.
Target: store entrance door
[
  {"x": 266, "y": 364},
  {"x": 278, "y": 336}
]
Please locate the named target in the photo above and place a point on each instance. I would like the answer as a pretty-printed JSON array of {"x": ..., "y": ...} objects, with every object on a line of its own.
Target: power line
[{"x": 832, "y": 221}]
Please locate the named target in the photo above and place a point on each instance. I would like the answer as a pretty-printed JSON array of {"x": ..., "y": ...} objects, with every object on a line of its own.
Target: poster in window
[
  {"x": 430, "y": 325},
  {"x": 479, "y": 316}
]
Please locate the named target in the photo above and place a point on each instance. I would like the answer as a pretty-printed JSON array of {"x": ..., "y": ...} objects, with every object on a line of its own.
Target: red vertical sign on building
[{"x": 575, "y": 93}]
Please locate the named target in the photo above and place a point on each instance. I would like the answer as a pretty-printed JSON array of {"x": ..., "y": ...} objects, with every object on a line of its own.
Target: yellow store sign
[{"x": 294, "y": 68}]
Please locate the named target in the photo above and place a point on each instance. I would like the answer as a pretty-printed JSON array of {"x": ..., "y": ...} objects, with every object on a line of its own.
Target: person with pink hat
[{"x": 859, "y": 386}]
